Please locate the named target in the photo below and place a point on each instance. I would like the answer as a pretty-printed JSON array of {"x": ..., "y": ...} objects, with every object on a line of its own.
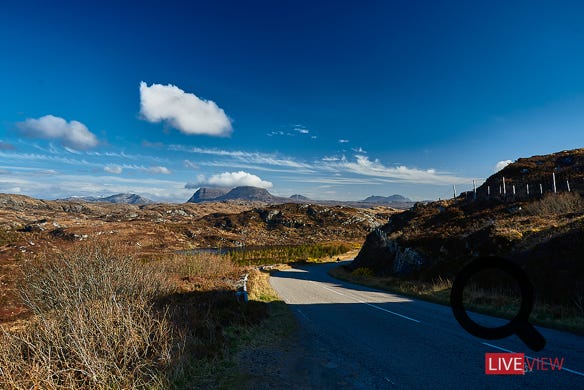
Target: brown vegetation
[
  {"x": 96, "y": 295},
  {"x": 103, "y": 319}
]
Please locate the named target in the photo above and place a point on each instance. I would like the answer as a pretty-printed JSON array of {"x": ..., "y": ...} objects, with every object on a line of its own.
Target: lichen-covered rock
[
  {"x": 384, "y": 256},
  {"x": 377, "y": 253},
  {"x": 407, "y": 261}
]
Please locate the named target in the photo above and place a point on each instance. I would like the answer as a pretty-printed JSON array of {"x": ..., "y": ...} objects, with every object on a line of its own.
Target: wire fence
[{"x": 511, "y": 189}]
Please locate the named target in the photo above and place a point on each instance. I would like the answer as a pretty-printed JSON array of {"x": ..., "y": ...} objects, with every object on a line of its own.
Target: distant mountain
[
  {"x": 387, "y": 199},
  {"x": 248, "y": 193},
  {"x": 118, "y": 198},
  {"x": 299, "y": 197},
  {"x": 204, "y": 194},
  {"x": 256, "y": 194}
]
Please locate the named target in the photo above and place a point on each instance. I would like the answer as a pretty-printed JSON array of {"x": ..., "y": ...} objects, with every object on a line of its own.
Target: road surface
[{"x": 365, "y": 338}]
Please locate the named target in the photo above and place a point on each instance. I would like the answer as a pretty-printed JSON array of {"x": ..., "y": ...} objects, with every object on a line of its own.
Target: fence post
[
  {"x": 540, "y": 189},
  {"x": 527, "y": 186},
  {"x": 568, "y": 183},
  {"x": 554, "y": 178},
  {"x": 489, "y": 191},
  {"x": 504, "y": 189},
  {"x": 513, "y": 189}
]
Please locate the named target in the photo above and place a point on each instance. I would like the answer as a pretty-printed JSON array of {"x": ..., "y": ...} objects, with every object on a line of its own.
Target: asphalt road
[{"x": 366, "y": 338}]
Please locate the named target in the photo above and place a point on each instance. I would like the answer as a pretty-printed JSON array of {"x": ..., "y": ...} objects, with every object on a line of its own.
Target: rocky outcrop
[
  {"x": 384, "y": 256},
  {"x": 407, "y": 260}
]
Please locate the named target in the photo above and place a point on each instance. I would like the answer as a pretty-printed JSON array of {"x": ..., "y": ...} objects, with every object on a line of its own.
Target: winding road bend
[{"x": 365, "y": 338}]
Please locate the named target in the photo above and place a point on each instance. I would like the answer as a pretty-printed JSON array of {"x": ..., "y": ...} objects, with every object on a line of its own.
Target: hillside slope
[{"x": 542, "y": 233}]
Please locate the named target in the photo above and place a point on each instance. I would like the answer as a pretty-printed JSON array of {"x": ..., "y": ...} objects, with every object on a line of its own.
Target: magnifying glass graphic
[{"x": 519, "y": 325}]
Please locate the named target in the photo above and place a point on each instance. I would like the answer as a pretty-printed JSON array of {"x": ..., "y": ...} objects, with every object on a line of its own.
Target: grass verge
[
  {"x": 568, "y": 318},
  {"x": 225, "y": 371}
]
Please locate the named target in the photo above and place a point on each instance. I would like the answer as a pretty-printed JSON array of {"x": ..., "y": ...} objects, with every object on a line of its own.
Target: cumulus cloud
[
  {"x": 73, "y": 134},
  {"x": 184, "y": 111},
  {"x": 501, "y": 164},
  {"x": 115, "y": 169},
  {"x": 231, "y": 179},
  {"x": 163, "y": 170}
]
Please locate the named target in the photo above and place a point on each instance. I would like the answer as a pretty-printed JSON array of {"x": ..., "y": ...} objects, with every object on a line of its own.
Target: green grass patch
[{"x": 279, "y": 254}]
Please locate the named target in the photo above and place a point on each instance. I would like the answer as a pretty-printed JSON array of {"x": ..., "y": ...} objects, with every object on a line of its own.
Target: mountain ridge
[
  {"x": 257, "y": 194},
  {"x": 126, "y": 198}
]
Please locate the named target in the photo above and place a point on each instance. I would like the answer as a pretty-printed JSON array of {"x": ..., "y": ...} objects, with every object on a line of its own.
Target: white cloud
[
  {"x": 92, "y": 185},
  {"x": 233, "y": 179},
  {"x": 246, "y": 157},
  {"x": 183, "y": 111},
  {"x": 501, "y": 164},
  {"x": 115, "y": 169},
  {"x": 73, "y": 134},
  {"x": 343, "y": 141},
  {"x": 190, "y": 164},
  {"x": 163, "y": 170},
  {"x": 363, "y": 166}
]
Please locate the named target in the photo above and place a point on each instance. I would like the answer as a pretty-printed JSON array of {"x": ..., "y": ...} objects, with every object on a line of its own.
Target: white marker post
[
  {"x": 474, "y": 188},
  {"x": 540, "y": 189},
  {"x": 568, "y": 184},
  {"x": 504, "y": 189},
  {"x": 554, "y": 178},
  {"x": 454, "y": 189},
  {"x": 527, "y": 187},
  {"x": 513, "y": 189}
]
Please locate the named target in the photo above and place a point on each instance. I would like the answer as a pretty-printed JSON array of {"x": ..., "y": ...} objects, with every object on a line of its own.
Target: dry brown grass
[
  {"x": 94, "y": 324},
  {"x": 556, "y": 204}
]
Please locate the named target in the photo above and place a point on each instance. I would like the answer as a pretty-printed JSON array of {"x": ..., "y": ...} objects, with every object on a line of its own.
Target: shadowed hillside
[{"x": 544, "y": 233}]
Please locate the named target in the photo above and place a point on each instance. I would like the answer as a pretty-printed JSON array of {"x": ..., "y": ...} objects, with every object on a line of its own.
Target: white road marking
[
  {"x": 536, "y": 359},
  {"x": 366, "y": 303}
]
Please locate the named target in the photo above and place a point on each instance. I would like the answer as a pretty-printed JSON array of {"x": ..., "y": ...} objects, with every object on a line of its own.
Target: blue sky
[{"x": 328, "y": 99}]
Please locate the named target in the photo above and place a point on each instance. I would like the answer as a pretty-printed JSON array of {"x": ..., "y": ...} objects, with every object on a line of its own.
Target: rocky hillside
[
  {"x": 528, "y": 173},
  {"x": 180, "y": 226},
  {"x": 542, "y": 233}
]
